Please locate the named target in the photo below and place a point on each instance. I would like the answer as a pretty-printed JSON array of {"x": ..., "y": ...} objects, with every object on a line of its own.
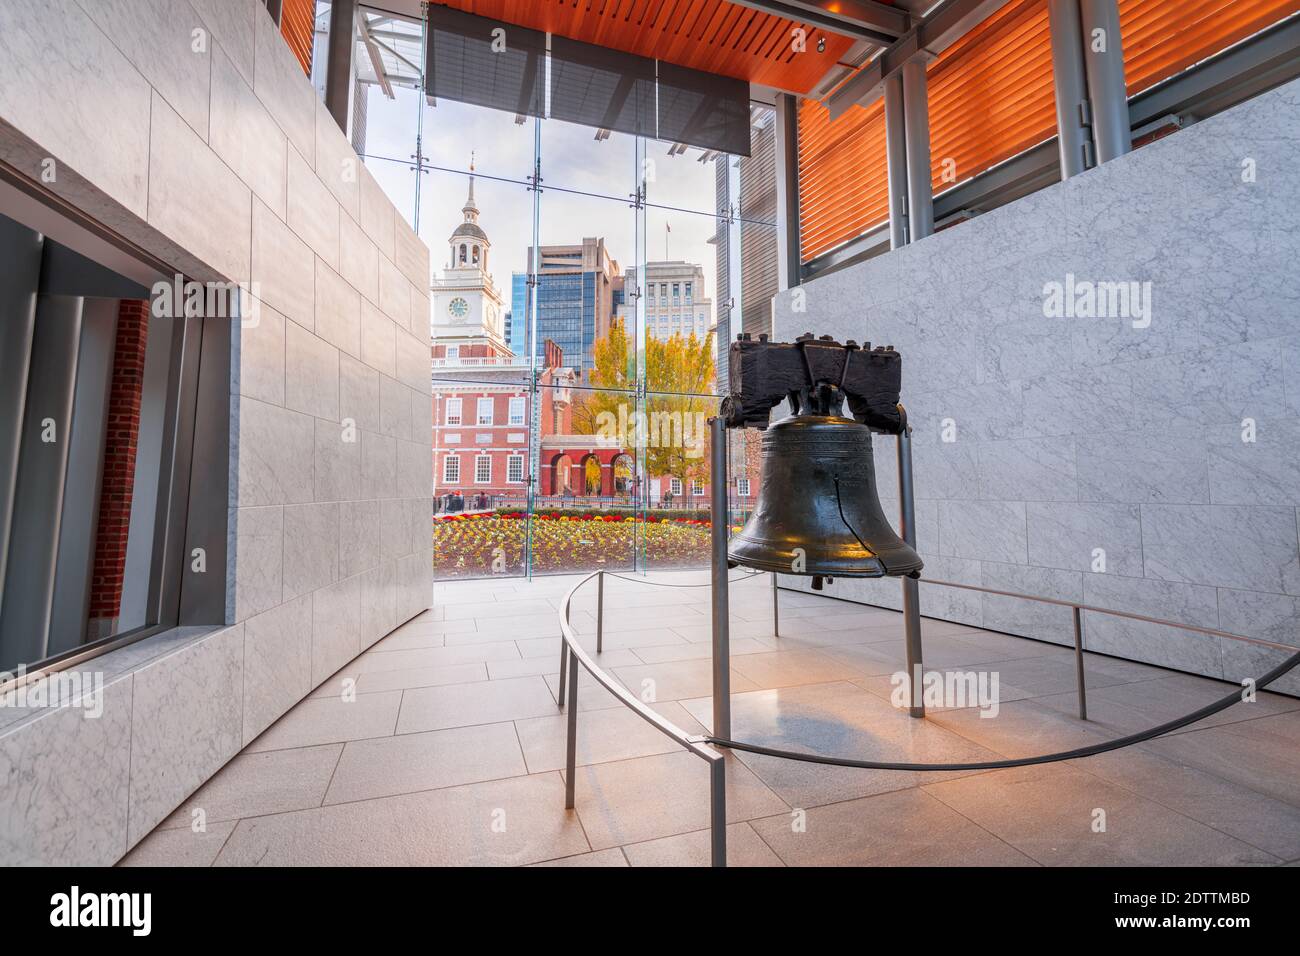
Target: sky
[{"x": 571, "y": 159}]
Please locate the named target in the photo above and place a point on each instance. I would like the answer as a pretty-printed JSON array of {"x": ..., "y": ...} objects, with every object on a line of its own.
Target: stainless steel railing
[{"x": 572, "y": 654}]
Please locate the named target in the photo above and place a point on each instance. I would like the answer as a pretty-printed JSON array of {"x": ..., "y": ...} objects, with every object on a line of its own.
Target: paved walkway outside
[{"x": 451, "y": 750}]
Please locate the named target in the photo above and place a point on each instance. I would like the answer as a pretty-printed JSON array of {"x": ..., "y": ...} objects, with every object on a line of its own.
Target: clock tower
[{"x": 466, "y": 305}]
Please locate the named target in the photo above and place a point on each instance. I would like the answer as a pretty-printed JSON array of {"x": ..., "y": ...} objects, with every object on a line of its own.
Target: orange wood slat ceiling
[
  {"x": 297, "y": 25},
  {"x": 712, "y": 35},
  {"x": 991, "y": 97}
]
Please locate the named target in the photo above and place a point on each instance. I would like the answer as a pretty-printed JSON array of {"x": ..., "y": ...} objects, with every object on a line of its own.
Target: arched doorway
[
  {"x": 562, "y": 477},
  {"x": 624, "y": 473},
  {"x": 591, "y": 475}
]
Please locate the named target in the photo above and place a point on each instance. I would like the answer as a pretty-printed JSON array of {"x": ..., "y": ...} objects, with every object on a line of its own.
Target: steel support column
[
  {"x": 896, "y": 159},
  {"x": 916, "y": 110},
  {"x": 1074, "y": 134},
  {"x": 20, "y": 249},
  {"x": 1103, "y": 54},
  {"x": 911, "y": 587},
  {"x": 718, "y": 520},
  {"x": 339, "y": 73},
  {"x": 787, "y": 190}
]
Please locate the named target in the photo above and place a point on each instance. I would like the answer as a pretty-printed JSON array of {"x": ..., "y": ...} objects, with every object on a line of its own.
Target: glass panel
[
  {"x": 585, "y": 507},
  {"x": 674, "y": 434}
]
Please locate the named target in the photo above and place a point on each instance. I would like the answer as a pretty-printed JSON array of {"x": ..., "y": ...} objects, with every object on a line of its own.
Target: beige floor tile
[
  {"x": 1229, "y": 807},
  {"x": 328, "y": 720},
  {"x": 434, "y": 657},
  {"x": 375, "y": 681},
  {"x": 613, "y": 734},
  {"x": 180, "y": 847},
  {"x": 550, "y": 664},
  {"x": 676, "y": 680},
  {"x": 254, "y": 784},
  {"x": 842, "y": 720},
  {"x": 611, "y": 857},
  {"x": 500, "y": 822},
  {"x": 702, "y": 651},
  {"x": 1262, "y": 755},
  {"x": 591, "y": 695},
  {"x": 481, "y": 611},
  {"x": 902, "y": 828},
  {"x": 785, "y": 668},
  {"x": 631, "y": 801},
  {"x": 487, "y": 702},
  {"x": 1050, "y": 813},
  {"x": 744, "y": 848},
  {"x": 441, "y": 758}
]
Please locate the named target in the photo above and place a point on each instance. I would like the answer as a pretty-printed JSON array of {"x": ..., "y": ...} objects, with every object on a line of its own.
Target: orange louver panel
[
  {"x": 991, "y": 94},
  {"x": 297, "y": 24},
  {"x": 1162, "y": 39},
  {"x": 843, "y": 181}
]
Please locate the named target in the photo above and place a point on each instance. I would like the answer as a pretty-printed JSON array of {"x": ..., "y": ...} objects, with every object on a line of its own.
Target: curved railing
[{"x": 572, "y": 654}]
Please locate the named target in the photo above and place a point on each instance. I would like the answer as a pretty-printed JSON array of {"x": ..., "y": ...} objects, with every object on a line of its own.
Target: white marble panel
[
  {"x": 359, "y": 530},
  {"x": 64, "y": 782},
  {"x": 284, "y": 89},
  {"x": 261, "y": 356},
  {"x": 338, "y": 310},
  {"x": 186, "y": 721},
  {"x": 311, "y": 374},
  {"x": 376, "y": 214},
  {"x": 1031, "y": 469},
  {"x": 984, "y": 530},
  {"x": 1152, "y": 643},
  {"x": 394, "y": 293},
  {"x": 234, "y": 23},
  {"x": 277, "y": 663},
  {"x": 378, "y": 340},
  {"x": 195, "y": 199},
  {"x": 337, "y": 461},
  {"x": 1068, "y": 535},
  {"x": 56, "y": 109},
  {"x": 358, "y": 258},
  {"x": 394, "y": 408},
  {"x": 275, "y": 455},
  {"x": 311, "y": 547},
  {"x": 336, "y": 627},
  {"x": 246, "y": 137},
  {"x": 156, "y": 36},
  {"x": 1234, "y": 546},
  {"x": 284, "y": 268},
  {"x": 358, "y": 393},
  {"x": 336, "y": 164},
  {"x": 259, "y": 560},
  {"x": 378, "y": 602},
  {"x": 378, "y": 466}
]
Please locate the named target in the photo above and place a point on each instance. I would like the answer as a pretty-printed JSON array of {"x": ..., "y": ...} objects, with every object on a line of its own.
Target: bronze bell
[{"x": 818, "y": 493}]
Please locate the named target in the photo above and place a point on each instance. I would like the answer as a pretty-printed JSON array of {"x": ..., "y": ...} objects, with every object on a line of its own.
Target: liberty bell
[{"x": 818, "y": 513}]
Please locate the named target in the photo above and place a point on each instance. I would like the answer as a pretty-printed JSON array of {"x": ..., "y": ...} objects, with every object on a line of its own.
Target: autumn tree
[{"x": 672, "y": 424}]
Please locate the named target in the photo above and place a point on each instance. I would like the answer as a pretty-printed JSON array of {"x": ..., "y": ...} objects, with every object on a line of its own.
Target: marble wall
[
  {"x": 1173, "y": 447},
  {"x": 190, "y": 129}
]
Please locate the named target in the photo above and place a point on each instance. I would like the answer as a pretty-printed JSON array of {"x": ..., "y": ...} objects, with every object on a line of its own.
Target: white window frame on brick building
[
  {"x": 517, "y": 409},
  {"x": 697, "y": 487},
  {"x": 675, "y": 487},
  {"x": 742, "y": 487},
  {"x": 451, "y": 470},
  {"x": 515, "y": 470},
  {"x": 485, "y": 402},
  {"x": 452, "y": 416},
  {"x": 482, "y": 474}
]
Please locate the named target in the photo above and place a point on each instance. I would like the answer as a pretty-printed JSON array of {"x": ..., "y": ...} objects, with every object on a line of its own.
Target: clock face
[{"x": 458, "y": 307}]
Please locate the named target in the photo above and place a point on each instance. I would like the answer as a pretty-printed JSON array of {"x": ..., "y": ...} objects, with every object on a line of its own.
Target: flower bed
[{"x": 485, "y": 544}]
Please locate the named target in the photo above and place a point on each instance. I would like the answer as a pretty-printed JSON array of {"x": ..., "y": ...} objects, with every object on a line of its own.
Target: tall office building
[
  {"x": 675, "y": 299},
  {"x": 575, "y": 299}
]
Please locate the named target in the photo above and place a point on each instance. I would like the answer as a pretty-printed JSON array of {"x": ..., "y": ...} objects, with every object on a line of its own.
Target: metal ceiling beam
[
  {"x": 376, "y": 60},
  {"x": 860, "y": 19},
  {"x": 940, "y": 30}
]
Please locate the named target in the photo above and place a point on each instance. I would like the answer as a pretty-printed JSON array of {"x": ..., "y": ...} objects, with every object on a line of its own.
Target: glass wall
[{"x": 579, "y": 286}]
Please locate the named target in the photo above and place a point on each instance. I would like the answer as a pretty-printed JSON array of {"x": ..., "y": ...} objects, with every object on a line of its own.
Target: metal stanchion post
[
  {"x": 911, "y": 587},
  {"x": 718, "y": 812},
  {"x": 600, "y": 612},
  {"x": 1078, "y": 663},
  {"x": 719, "y": 520},
  {"x": 564, "y": 657},
  {"x": 776, "y": 608},
  {"x": 571, "y": 755}
]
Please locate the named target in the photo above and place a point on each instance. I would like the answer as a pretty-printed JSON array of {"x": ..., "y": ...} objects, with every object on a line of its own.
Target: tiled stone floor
[{"x": 451, "y": 750}]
